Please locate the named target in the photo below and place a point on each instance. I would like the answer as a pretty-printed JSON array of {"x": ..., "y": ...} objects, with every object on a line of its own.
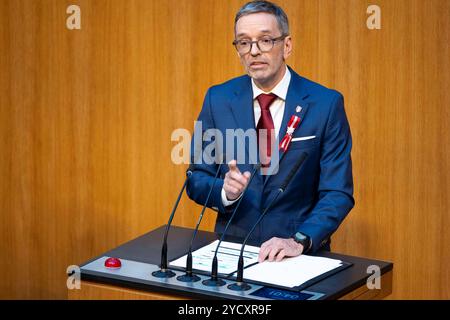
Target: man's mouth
[{"x": 257, "y": 64}]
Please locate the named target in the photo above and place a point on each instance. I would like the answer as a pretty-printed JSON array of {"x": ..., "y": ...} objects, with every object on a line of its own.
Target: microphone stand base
[
  {"x": 163, "y": 274},
  {"x": 214, "y": 283},
  {"x": 239, "y": 286},
  {"x": 188, "y": 278}
]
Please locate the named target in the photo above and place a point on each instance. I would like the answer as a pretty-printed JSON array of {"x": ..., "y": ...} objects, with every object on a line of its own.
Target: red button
[{"x": 113, "y": 263}]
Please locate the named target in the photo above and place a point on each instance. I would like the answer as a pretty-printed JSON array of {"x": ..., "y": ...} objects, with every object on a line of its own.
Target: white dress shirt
[{"x": 276, "y": 110}]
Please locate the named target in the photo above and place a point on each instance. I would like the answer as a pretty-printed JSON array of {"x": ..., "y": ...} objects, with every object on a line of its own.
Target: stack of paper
[{"x": 291, "y": 272}]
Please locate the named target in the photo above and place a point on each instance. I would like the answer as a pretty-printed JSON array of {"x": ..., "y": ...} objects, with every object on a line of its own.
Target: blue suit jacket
[{"x": 321, "y": 193}]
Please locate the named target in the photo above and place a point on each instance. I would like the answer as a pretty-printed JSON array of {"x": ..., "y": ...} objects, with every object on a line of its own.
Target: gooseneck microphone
[
  {"x": 164, "y": 272},
  {"x": 240, "y": 285},
  {"x": 214, "y": 281},
  {"x": 189, "y": 276}
]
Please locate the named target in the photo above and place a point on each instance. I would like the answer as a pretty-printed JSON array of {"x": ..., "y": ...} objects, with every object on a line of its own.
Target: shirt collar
[{"x": 280, "y": 89}]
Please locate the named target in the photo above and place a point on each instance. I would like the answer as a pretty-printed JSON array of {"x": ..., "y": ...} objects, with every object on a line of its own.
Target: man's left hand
[{"x": 276, "y": 249}]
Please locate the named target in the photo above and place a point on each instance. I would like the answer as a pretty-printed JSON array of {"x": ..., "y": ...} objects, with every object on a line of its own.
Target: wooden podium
[{"x": 348, "y": 284}]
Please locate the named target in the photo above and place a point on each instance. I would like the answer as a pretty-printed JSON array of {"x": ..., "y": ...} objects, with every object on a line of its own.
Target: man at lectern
[{"x": 301, "y": 117}]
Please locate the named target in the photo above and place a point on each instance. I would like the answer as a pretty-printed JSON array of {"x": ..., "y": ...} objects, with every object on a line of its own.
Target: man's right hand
[{"x": 235, "y": 181}]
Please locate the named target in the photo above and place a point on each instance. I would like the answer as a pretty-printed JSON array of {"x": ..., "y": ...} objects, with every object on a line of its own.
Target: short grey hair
[{"x": 267, "y": 7}]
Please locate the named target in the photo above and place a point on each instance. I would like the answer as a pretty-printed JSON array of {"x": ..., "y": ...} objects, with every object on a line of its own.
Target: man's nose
[{"x": 254, "y": 49}]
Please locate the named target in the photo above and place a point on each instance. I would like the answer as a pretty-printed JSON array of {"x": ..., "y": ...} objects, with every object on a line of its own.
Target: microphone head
[
  {"x": 257, "y": 166},
  {"x": 189, "y": 170}
]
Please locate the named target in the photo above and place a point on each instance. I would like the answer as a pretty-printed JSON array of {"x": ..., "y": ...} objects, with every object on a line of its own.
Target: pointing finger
[{"x": 232, "y": 166}]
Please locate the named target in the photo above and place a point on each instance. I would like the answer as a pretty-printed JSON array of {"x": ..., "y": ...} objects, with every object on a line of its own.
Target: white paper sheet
[
  {"x": 291, "y": 272},
  {"x": 227, "y": 257}
]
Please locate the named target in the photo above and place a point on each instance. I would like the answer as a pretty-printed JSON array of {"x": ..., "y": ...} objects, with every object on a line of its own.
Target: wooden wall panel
[{"x": 86, "y": 118}]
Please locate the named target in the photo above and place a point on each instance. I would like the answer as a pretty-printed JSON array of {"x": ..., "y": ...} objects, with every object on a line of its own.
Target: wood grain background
[{"x": 86, "y": 118}]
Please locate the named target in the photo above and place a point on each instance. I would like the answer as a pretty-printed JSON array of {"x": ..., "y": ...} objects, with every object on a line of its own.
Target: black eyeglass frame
[{"x": 274, "y": 40}]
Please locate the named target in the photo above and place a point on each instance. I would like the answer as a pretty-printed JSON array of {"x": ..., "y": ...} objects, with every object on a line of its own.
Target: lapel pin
[{"x": 298, "y": 109}]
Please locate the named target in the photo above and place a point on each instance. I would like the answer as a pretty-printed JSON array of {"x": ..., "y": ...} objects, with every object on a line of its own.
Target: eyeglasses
[{"x": 264, "y": 44}]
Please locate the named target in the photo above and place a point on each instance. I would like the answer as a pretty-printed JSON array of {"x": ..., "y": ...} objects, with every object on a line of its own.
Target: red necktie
[{"x": 265, "y": 122}]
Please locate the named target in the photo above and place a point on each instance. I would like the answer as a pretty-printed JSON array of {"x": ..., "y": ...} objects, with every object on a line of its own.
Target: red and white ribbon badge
[{"x": 292, "y": 125}]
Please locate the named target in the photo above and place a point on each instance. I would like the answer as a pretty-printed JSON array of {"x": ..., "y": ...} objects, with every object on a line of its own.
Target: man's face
[{"x": 266, "y": 68}]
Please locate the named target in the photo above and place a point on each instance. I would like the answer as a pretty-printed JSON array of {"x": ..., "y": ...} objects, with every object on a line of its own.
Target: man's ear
[{"x": 287, "y": 50}]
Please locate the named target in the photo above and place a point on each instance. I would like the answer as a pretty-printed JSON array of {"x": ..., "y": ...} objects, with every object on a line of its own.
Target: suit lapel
[
  {"x": 241, "y": 106},
  {"x": 297, "y": 98}
]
